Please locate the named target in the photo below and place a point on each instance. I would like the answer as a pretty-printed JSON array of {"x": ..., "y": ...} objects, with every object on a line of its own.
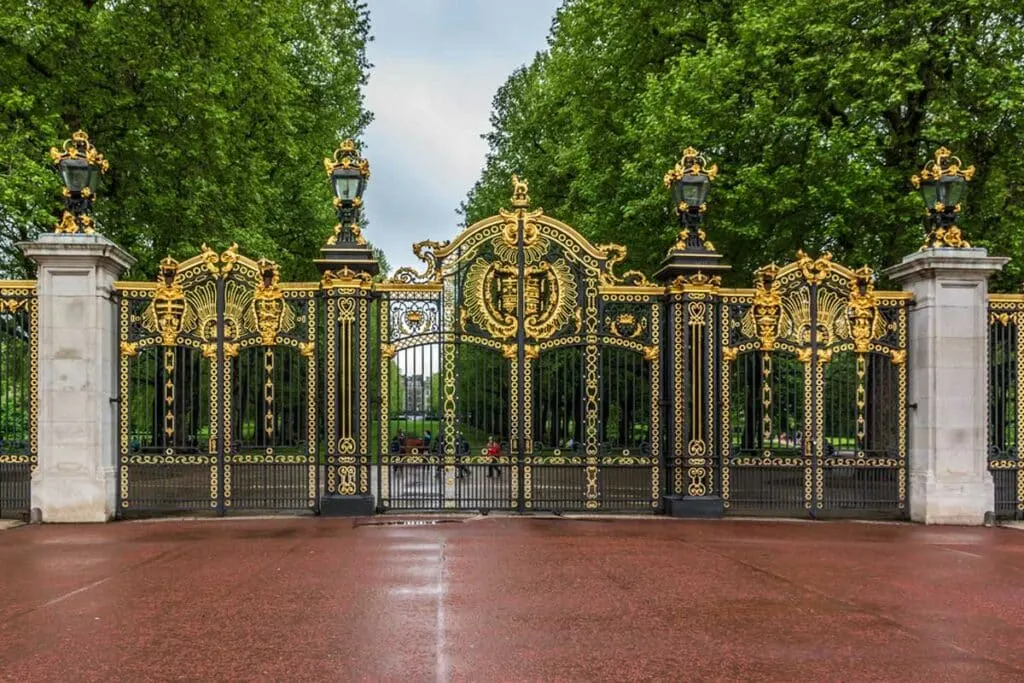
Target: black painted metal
[
  {"x": 17, "y": 413},
  {"x": 217, "y": 422},
  {"x": 1004, "y": 383},
  {"x": 521, "y": 450}
]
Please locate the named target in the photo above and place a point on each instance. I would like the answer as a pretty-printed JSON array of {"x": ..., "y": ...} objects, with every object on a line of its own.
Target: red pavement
[{"x": 502, "y": 599}]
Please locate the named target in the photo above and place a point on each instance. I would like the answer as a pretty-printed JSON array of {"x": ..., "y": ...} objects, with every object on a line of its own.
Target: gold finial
[
  {"x": 347, "y": 156},
  {"x": 520, "y": 188},
  {"x": 691, "y": 163},
  {"x": 945, "y": 163}
]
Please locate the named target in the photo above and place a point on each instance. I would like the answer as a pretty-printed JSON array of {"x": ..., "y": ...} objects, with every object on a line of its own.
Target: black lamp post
[
  {"x": 692, "y": 259},
  {"x": 690, "y": 181},
  {"x": 79, "y": 163},
  {"x": 943, "y": 184},
  {"x": 348, "y": 176}
]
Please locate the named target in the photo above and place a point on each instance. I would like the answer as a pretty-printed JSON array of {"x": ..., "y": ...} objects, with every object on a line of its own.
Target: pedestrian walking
[{"x": 493, "y": 451}]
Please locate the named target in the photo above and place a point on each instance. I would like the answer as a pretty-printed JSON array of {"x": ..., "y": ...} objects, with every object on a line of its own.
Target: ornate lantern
[
  {"x": 78, "y": 165},
  {"x": 348, "y": 175},
  {"x": 690, "y": 182},
  {"x": 943, "y": 184}
]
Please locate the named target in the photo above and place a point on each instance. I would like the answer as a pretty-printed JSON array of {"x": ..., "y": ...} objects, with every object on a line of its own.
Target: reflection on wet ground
[{"x": 498, "y": 598}]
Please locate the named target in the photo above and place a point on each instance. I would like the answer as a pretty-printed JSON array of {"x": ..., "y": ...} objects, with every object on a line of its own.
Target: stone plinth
[
  {"x": 948, "y": 367},
  {"x": 76, "y": 480}
]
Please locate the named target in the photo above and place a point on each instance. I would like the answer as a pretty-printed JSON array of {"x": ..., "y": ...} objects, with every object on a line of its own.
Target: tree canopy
[
  {"x": 816, "y": 113},
  {"x": 215, "y": 116}
]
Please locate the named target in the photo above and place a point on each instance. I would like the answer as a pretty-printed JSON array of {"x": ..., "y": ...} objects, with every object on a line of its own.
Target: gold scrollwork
[
  {"x": 626, "y": 325},
  {"x": 615, "y": 254},
  {"x": 424, "y": 251}
]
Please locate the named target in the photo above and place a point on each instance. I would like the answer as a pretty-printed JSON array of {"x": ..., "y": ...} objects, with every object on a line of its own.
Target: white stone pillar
[
  {"x": 948, "y": 393},
  {"x": 76, "y": 477}
]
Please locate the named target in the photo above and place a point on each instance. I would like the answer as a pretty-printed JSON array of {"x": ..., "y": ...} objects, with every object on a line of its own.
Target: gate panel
[
  {"x": 814, "y": 393},
  {"x": 169, "y": 395},
  {"x": 217, "y": 378},
  {"x": 270, "y": 384},
  {"x": 19, "y": 402},
  {"x": 556, "y": 471},
  {"x": 547, "y": 368},
  {"x": 767, "y": 469}
]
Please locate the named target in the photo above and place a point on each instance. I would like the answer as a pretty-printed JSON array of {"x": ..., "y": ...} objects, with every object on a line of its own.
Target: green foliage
[
  {"x": 214, "y": 115},
  {"x": 817, "y": 114}
]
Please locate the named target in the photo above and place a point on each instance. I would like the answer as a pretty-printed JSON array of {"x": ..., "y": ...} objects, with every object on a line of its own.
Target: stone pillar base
[
  {"x": 955, "y": 499},
  {"x": 75, "y": 497}
]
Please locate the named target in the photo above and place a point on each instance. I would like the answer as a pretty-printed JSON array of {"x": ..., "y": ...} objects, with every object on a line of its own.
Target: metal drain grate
[{"x": 410, "y": 522}]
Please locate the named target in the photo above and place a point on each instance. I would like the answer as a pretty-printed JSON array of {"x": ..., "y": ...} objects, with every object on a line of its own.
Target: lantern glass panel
[
  {"x": 346, "y": 187},
  {"x": 951, "y": 190},
  {"x": 929, "y": 192},
  {"x": 695, "y": 189},
  {"x": 77, "y": 174}
]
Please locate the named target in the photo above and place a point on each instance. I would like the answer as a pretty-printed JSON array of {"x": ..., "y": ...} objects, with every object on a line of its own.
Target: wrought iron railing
[
  {"x": 1005, "y": 409},
  {"x": 19, "y": 383}
]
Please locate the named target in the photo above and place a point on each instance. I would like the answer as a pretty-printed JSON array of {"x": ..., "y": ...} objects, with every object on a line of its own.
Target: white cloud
[{"x": 437, "y": 66}]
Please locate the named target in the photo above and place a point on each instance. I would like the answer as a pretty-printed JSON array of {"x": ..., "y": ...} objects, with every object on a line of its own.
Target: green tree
[
  {"x": 214, "y": 114},
  {"x": 817, "y": 114}
]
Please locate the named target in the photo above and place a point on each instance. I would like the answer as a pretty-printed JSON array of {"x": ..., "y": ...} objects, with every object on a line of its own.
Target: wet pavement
[{"x": 500, "y": 599}]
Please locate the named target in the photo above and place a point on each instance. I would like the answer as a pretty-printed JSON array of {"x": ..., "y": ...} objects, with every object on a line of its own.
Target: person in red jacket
[{"x": 493, "y": 451}]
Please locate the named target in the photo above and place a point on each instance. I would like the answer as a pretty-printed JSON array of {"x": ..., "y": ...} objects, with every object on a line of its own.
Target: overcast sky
[{"x": 436, "y": 66}]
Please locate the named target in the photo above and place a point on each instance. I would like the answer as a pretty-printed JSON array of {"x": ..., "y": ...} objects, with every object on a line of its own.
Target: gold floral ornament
[
  {"x": 348, "y": 173},
  {"x": 866, "y": 322},
  {"x": 764, "y": 318},
  {"x": 168, "y": 313},
  {"x": 271, "y": 313},
  {"x": 690, "y": 180},
  {"x": 78, "y": 163},
  {"x": 942, "y": 184}
]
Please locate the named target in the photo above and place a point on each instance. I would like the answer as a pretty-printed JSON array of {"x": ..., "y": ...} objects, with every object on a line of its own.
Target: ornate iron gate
[
  {"x": 19, "y": 395},
  {"x": 218, "y": 388},
  {"x": 813, "y": 388},
  {"x": 519, "y": 372}
]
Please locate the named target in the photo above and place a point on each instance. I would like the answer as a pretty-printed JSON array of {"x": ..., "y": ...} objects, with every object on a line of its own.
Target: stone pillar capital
[{"x": 966, "y": 264}]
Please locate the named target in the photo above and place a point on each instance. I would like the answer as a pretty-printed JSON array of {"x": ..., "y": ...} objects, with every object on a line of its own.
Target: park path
[{"x": 510, "y": 599}]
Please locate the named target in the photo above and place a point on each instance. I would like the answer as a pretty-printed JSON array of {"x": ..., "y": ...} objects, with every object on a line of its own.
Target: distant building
[{"x": 417, "y": 394}]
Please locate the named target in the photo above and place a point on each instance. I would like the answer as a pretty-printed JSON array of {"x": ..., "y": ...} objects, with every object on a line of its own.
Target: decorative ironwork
[
  {"x": 19, "y": 395},
  {"x": 217, "y": 378},
  {"x": 941, "y": 182},
  {"x": 78, "y": 163},
  {"x": 1006, "y": 409},
  {"x": 519, "y": 372},
  {"x": 813, "y": 392}
]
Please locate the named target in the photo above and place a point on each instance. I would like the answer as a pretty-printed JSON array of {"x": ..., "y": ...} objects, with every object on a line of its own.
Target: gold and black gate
[
  {"x": 19, "y": 395},
  {"x": 517, "y": 372},
  {"x": 813, "y": 393},
  {"x": 217, "y": 376}
]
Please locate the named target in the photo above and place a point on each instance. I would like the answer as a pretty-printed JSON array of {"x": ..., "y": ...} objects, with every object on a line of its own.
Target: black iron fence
[
  {"x": 1005, "y": 408},
  {"x": 19, "y": 409}
]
